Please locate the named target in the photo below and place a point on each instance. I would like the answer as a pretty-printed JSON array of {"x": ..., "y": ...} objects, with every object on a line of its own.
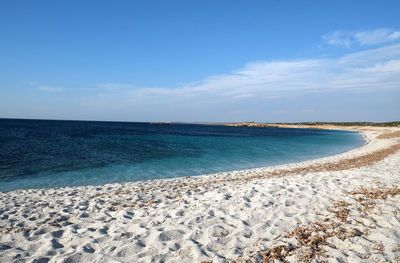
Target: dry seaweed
[
  {"x": 341, "y": 210},
  {"x": 376, "y": 193},
  {"x": 312, "y": 239}
]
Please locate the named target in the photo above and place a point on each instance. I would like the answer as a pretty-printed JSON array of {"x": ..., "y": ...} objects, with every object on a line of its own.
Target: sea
[{"x": 55, "y": 153}]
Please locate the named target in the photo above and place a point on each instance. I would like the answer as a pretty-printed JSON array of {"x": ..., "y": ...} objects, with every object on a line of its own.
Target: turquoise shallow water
[{"x": 41, "y": 154}]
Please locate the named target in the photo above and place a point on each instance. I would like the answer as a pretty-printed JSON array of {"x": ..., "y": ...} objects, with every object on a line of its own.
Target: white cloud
[
  {"x": 49, "y": 88},
  {"x": 377, "y": 36},
  {"x": 256, "y": 86},
  {"x": 364, "y": 38},
  {"x": 339, "y": 38}
]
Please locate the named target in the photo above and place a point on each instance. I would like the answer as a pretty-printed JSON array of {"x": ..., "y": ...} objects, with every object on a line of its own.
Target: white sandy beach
[{"x": 348, "y": 212}]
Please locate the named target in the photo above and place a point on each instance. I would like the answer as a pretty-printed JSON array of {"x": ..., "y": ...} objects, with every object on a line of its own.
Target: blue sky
[{"x": 273, "y": 61}]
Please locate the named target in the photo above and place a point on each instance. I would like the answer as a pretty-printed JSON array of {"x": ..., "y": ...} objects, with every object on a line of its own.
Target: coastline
[
  {"x": 66, "y": 178},
  {"x": 214, "y": 218}
]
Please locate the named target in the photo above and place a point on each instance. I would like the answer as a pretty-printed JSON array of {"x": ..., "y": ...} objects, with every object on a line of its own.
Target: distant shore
[
  {"x": 342, "y": 207},
  {"x": 317, "y": 125}
]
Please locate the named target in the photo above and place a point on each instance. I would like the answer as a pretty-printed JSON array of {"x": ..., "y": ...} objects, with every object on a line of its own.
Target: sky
[{"x": 200, "y": 61}]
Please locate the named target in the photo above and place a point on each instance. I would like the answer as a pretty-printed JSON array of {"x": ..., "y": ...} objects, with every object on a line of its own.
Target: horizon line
[{"x": 194, "y": 122}]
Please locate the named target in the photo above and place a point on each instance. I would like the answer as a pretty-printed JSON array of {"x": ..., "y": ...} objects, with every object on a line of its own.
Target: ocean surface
[{"x": 43, "y": 153}]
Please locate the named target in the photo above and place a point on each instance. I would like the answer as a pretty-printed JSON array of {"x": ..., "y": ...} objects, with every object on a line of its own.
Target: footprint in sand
[{"x": 171, "y": 235}]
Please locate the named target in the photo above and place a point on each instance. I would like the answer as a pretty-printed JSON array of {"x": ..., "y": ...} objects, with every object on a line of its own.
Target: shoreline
[{"x": 229, "y": 216}]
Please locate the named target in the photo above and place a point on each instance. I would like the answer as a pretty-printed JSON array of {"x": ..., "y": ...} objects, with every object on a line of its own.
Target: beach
[{"x": 342, "y": 208}]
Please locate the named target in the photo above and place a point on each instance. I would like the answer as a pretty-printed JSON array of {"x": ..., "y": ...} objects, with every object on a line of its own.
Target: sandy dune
[{"x": 344, "y": 208}]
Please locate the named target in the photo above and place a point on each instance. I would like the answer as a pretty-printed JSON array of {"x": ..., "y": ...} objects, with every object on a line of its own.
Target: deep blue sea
[{"x": 44, "y": 153}]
